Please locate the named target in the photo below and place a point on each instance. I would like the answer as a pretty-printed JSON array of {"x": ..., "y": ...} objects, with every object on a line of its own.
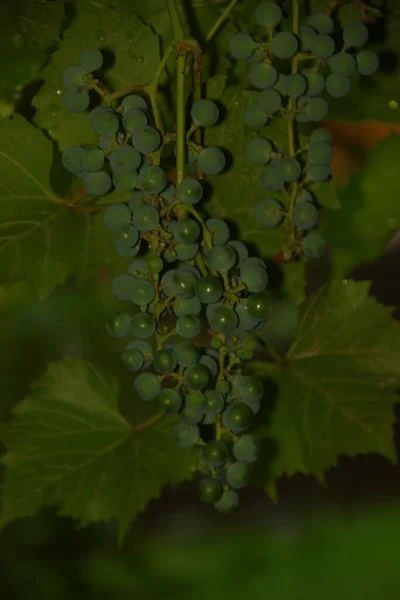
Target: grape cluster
[
  {"x": 297, "y": 93},
  {"x": 188, "y": 279}
]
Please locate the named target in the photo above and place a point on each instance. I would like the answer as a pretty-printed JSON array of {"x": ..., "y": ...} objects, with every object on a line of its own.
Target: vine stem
[
  {"x": 146, "y": 424},
  {"x": 220, "y": 21}
]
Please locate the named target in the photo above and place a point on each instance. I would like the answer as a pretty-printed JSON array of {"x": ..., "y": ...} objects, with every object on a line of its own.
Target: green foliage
[{"x": 329, "y": 361}]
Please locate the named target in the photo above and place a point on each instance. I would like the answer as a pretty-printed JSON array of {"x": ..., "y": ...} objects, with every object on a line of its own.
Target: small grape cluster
[
  {"x": 297, "y": 95},
  {"x": 189, "y": 279}
]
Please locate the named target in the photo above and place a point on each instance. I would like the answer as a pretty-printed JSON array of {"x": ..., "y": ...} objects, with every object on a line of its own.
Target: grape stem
[{"x": 220, "y": 20}]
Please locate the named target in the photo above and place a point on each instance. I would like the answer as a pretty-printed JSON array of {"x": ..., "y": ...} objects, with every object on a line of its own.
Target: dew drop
[
  {"x": 393, "y": 104},
  {"x": 361, "y": 297},
  {"x": 58, "y": 92},
  {"x": 344, "y": 281},
  {"x": 100, "y": 34}
]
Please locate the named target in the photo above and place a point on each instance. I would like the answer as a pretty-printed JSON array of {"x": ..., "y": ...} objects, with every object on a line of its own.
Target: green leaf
[
  {"x": 370, "y": 210},
  {"x": 69, "y": 446},
  {"x": 338, "y": 390},
  {"x": 29, "y": 29},
  {"x": 135, "y": 57}
]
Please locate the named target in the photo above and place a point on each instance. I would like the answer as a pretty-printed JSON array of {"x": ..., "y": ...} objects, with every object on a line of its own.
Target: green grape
[
  {"x": 270, "y": 179},
  {"x": 192, "y": 269},
  {"x": 187, "y": 354},
  {"x": 240, "y": 249},
  {"x": 204, "y": 113},
  {"x": 209, "y": 490},
  {"x": 143, "y": 293},
  {"x": 214, "y": 453},
  {"x": 188, "y": 326},
  {"x": 93, "y": 158},
  {"x": 155, "y": 265},
  {"x": 322, "y": 46},
  {"x": 367, "y": 62},
  {"x": 305, "y": 215},
  {"x": 146, "y": 218},
  {"x": 296, "y": 85},
  {"x": 228, "y": 501},
  {"x": 320, "y": 153},
  {"x": 222, "y": 386},
  {"x": 355, "y": 34},
  {"x": 258, "y": 56},
  {"x": 118, "y": 324},
  {"x": 211, "y": 363},
  {"x": 223, "y": 319},
  {"x": 126, "y": 252},
  {"x": 258, "y": 151},
  {"x": 97, "y": 184},
  {"x": 342, "y": 64},
  {"x": 337, "y": 86},
  {"x": 222, "y": 258},
  {"x": 182, "y": 283},
  {"x": 124, "y": 159},
  {"x": 165, "y": 361},
  {"x": 208, "y": 289},
  {"x": 281, "y": 85},
  {"x": 138, "y": 267},
  {"x": 104, "y": 121},
  {"x": 147, "y": 386},
  {"x": 317, "y": 109},
  {"x": 146, "y": 139},
  {"x": 133, "y": 101},
  {"x": 134, "y": 118},
  {"x": 123, "y": 287},
  {"x": 106, "y": 142},
  {"x": 117, "y": 215},
  {"x": 76, "y": 99},
  {"x": 168, "y": 401},
  {"x": 197, "y": 377},
  {"x": 284, "y": 45},
  {"x": 189, "y": 191},
  {"x": 186, "y": 251},
  {"x": 153, "y": 180},
  {"x": 187, "y": 231},
  {"x": 125, "y": 181},
  {"x": 91, "y": 59},
  {"x": 247, "y": 448},
  {"x": 237, "y": 417},
  {"x": 75, "y": 76},
  {"x": 144, "y": 348},
  {"x": 321, "y": 23},
  {"x": 318, "y": 173},
  {"x": 304, "y": 196},
  {"x": 195, "y": 400},
  {"x": 254, "y": 260},
  {"x": 250, "y": 388},
  {"x": 315, "y": 82},
  {"x": 268, "y": 14},
  {"x": 185, "y": 435},
  {"x": 306, "y": 35},
  {"x": 137, "y": 199},
  {"x": 270, "y": 100},
  {"x": 268, "y": 212},
  {"x": 73, "y": 159},
  {"x": 215, "y": 402},
  {"x": 187, "y": 306},
  {"x": 321, "y": 134},
  {"x": 143, "y": 325},
  {"x": 313, "y": 245},
  {"x": 259, "y": 306},
  {"x": 191, "y": 416},
  {"x": 290, "y": 169},
  {"x": 263, "y": 76},
  {"x": 132, "y": 359},
  {"x": 254, "y": 276},
  {"x": 238, "y": 474},
  {"x": 246, "y": 321},
  {"x": 211, "y": 161},
  {"x": 219, "y": 229},
  {"x": 169, "y": 193},
  {"x": 254, "y": 116}
]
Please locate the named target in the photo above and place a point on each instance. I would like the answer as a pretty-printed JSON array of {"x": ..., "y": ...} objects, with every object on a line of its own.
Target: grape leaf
[
  {"x": 135, "y": 58},
  {"x": 29, "y": 29},
  {"x": 68, "y": 446},
  {"x": 338, "y": 390},
  {"x": 370, "y": 210}
]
